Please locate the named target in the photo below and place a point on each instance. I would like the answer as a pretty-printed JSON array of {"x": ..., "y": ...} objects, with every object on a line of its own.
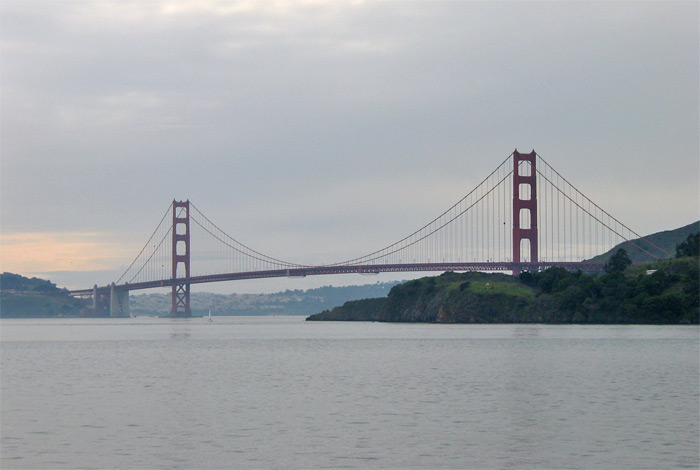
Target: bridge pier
[
  {"x": 102, "y": 302},
  {"x": 118, "y": 302}
]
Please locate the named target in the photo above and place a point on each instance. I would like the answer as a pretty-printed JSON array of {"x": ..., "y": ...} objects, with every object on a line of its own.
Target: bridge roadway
[{"x": 586, "y": 266}]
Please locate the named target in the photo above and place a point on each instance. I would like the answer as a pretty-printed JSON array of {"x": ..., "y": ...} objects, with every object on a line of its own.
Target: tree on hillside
[
  {"x": 618, "y": 262},
  {"x": 690, "y": 247},
  {"x": 17, "y": 282}
]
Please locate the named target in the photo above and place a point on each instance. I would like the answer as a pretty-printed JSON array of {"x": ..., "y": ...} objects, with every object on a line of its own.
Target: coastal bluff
[{"x": 665, "y": 292}]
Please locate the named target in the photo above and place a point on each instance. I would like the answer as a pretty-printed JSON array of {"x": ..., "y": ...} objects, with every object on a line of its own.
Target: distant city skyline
[{"x": 318, "y": 131}]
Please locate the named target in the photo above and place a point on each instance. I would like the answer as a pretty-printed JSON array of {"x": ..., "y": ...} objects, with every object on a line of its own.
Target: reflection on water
[
  {"x": 180, "y": 331},
  {"x": 526, "y": 331}
]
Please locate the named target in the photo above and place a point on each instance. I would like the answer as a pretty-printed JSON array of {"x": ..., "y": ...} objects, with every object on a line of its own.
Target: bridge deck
[{"x": 348, "y": 269}]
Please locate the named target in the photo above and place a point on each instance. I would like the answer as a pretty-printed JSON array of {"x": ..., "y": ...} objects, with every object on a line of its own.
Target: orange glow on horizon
[{"x": 66, "y": 251}]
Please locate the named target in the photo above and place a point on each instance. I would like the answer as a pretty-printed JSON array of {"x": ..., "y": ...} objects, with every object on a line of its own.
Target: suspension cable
[
  {"x": 596, "y": 218},
  {"x": 146, "y": 245},
  {"x": 145, "y": 263},
  {"x": 265, "y": 257},
  {"x": 601, "y": 209},
  {"x": 365, "y": 258},
  {"x": 354, "y": 260}
]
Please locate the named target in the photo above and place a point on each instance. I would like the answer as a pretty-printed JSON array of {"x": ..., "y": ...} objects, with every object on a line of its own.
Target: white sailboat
[{"x": 210, "y": 315}]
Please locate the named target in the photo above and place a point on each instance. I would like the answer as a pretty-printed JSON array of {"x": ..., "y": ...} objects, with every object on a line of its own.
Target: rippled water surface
[{"x": 275, "y": 392}]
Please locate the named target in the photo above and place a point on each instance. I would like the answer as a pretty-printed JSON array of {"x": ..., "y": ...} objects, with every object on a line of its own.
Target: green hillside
[
  {"x": 663, "y": 292},
  {"x": 667, "y": 241}
]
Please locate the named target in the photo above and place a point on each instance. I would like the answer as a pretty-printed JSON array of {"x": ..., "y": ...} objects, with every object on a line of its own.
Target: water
[{"x": 278, "y": 392}]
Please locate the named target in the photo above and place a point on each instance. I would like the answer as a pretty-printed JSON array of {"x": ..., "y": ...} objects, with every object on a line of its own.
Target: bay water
[{"x": 279, "y": 392}]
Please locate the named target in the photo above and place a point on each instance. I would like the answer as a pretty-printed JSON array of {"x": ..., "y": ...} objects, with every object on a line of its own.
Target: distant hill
[
  {"x": 289, "y": 302},
  {"x": 667, "y": 240},
  {"x": 22, "y": 297},
  {"x": 10, "y": 282}
]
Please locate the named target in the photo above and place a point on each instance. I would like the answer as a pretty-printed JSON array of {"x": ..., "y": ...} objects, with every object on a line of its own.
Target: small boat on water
[{"x": 210, "y": 315}]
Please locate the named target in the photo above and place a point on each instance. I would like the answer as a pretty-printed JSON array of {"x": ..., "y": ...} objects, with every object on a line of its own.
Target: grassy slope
[
  {"x": 500, "y": 298},
  {"x": 450, "y": 297},
  {"x": 667, "y": 240}
]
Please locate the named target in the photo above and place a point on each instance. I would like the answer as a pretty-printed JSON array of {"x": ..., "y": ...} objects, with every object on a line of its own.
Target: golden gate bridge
[{"x": 524, "y": 216}]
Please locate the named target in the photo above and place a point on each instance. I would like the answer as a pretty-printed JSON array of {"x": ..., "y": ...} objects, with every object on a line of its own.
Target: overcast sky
[{"x": 319, "y": 131}]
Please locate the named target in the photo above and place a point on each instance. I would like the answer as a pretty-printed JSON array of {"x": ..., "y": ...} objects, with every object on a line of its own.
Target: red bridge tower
[
  {"x": 181, "y": 259},
  {"x": 524, "y": 205}
]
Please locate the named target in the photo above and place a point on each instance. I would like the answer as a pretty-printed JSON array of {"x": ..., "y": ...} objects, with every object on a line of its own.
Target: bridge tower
[
  {"x": 524, "y": 205},
  {"x": 181, "y": 259}
]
